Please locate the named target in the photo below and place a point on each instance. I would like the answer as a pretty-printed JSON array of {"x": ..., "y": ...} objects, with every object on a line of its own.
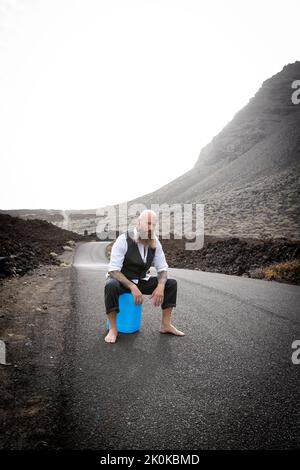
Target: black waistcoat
[{"x": 133, "y": 264}]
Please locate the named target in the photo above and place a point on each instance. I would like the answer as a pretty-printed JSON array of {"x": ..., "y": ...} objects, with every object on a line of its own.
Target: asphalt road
[{"x": 228, "y": 383}]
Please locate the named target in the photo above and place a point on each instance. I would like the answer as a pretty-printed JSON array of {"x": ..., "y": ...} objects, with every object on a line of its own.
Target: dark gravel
[
  {"x": 235, "y": 256},
  {"x": 26, "y": 244}
]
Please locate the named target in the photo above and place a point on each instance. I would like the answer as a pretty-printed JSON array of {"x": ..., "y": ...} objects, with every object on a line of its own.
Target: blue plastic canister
[{"x": 129, "y": 318}]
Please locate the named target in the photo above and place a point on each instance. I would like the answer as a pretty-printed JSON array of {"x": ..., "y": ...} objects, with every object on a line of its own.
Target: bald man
[{"x": 132, "y": 254}]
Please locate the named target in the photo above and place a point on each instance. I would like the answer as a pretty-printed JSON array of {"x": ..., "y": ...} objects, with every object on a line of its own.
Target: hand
[
  {"x": 158, "y": 295},
  {"x": 137, "y": 295}
]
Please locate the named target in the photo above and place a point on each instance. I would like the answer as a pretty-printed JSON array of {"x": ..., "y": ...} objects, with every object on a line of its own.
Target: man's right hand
[{"x": 137, "y": 295}]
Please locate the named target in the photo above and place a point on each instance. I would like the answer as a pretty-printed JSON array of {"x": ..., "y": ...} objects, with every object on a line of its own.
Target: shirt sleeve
[
  {"x": 159, "y": 261},
  {"x": 118, "y": 253}
]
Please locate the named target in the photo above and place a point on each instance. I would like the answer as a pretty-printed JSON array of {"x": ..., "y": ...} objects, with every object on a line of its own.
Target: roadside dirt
[{"x": 35, "y": 310}]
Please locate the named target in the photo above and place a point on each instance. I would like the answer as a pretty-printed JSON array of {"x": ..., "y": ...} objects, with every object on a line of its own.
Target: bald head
[
  {"x": 146, "y": 223},
  {"x": 147, "y": 214}
]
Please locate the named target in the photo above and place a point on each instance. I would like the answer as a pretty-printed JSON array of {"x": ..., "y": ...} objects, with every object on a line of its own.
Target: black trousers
[{"x": 113, "y": 288}]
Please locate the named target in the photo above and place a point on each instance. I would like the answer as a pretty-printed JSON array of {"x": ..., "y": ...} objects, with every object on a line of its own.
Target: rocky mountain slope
[{"x": 248, "y": 175}]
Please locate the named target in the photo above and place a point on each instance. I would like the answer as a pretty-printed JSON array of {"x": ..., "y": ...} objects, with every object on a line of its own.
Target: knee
[
  {"x": 171, "y": 283},
  {"x": 111, "y": 285}
]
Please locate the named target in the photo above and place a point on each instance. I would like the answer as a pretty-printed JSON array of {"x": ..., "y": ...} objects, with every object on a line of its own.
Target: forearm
[
  {"x": 162, "y": 277},
  {"x": 123, "y": 279}
]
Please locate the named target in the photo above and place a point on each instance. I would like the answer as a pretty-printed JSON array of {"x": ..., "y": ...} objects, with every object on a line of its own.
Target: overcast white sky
[{"x": 104, "y": 101}]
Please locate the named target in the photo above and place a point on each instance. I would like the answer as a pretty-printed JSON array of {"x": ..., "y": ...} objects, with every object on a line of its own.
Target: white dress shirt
[{"x": 119, "y": 249}]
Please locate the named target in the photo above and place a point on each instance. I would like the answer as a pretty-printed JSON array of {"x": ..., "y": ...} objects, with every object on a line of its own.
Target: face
[{"x": 146, "y": 226}]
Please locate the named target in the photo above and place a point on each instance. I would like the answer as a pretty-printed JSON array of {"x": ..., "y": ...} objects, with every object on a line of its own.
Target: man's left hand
[{"x": 158, "y": 295}]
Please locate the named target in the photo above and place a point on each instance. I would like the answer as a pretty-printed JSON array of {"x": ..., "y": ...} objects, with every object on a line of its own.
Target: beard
[{"x": 147, "y": 238}]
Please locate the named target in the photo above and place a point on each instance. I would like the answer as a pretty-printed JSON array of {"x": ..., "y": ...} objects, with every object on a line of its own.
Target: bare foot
[
  {"x": 170, "y": 329},
  {"x": 111, "y": 336}
]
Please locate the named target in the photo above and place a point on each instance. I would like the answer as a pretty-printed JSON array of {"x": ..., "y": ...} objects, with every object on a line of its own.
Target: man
[{"x": 132, "y": 254}]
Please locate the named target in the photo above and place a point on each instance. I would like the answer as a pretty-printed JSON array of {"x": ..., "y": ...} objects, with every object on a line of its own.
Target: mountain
[
  {"x": 79, "y": 221},
  {"x": 247, "y": 177}
]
